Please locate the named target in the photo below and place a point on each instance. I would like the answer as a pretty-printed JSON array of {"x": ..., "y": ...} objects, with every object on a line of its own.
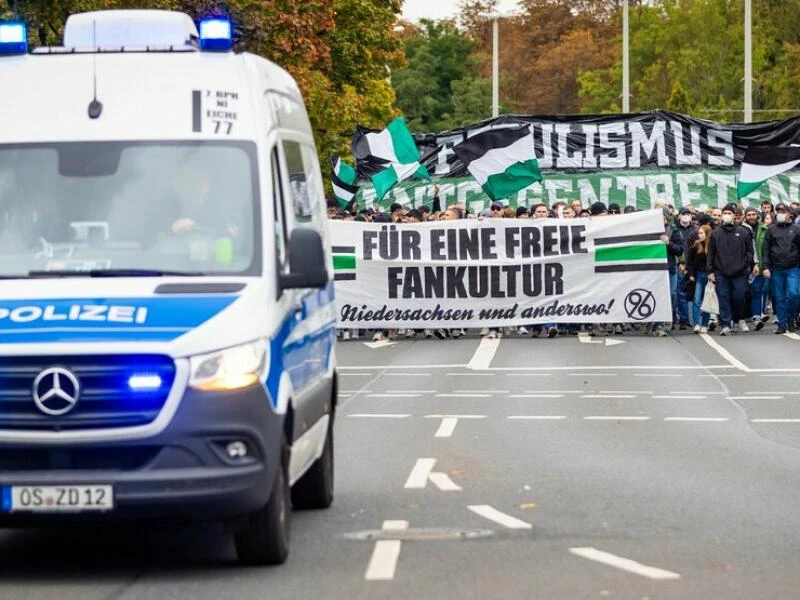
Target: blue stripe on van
[{"x": 106, "y": 319}]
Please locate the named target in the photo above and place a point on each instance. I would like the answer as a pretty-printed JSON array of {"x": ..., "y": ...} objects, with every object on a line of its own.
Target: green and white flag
[
  {"x": 502, "y": 161},
  {"x": 343, "y": 180},
  {"x": 762, "y": 162},
  {"x": 396, "y": 147}
]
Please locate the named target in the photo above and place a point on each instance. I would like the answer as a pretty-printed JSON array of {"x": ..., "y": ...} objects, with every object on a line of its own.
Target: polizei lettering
[{"x": 75, "y": 312}]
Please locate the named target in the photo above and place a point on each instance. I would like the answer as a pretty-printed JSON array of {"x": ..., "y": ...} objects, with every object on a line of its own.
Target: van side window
[
  {"x": 281, "y": 231},
  {"x": 299, "y": 184}
]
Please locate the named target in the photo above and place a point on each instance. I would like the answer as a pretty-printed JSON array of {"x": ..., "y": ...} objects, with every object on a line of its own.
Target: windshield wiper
[{"x": 115, "y": 273}]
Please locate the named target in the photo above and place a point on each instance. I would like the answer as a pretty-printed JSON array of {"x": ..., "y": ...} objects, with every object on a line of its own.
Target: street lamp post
[
  {"x": 626, "y": 89},
  {"x": 495, "y": 67},
  {"x": 748, "y": 61}
]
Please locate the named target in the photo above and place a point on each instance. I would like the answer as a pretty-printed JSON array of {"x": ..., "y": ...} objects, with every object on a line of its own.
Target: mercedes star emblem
[{"x": 56, "y": 391}]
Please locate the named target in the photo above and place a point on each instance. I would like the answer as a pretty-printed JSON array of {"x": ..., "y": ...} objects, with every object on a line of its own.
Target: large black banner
[{"x": 653, "y": 140}]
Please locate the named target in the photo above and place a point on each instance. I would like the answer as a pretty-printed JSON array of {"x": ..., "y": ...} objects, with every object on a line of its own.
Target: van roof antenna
[{"x": 95, "y": 106}]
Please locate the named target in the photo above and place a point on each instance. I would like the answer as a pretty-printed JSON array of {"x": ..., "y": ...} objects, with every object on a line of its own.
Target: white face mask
[
  {"x": 686, "y": 220},
  {"x": 781, "y": 218},
  {"x": 727, "y": 219}
]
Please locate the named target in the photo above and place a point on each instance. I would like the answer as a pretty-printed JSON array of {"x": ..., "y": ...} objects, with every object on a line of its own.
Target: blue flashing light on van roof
[
  {"x": 13, "y": 38},
  {"x": 216, "y": 34}
]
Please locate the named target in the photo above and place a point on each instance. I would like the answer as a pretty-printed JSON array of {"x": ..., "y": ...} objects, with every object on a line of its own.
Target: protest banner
[{"x": 501, "y": 272}]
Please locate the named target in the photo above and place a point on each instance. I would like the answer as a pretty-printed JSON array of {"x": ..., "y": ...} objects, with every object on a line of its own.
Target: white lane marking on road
[
  {"x": 522, "y": 370},
  {"x": 537, "y": 417},
  {"x": 777, "y": 375},
  {"x": 355, "y": 391},
  {"x": 380, "y": 344},
  {"x": 481, "y": 374},
  {"x": 455, "y": 416},
  {"x": 537, "y": 395},
  {"x": 755, "y": 398},
  {"x": 792, "y": 336},
  {"x": 624, "y": 564},
  {"x": 488, "y": 512},
  {"x": 698, "y": 419},
  {"x": 584, "y": 338},
  {"x": 463, "y": 395},
  {"x": 481, "y": 392},
  {"x": 407, "y": 375},
  {"x": 482, "y": 359},
  {"x": 378, "y": 416},
  {"x": 529, "y": 374},
  {"x": 657, "y": 375},
  {"x": 410, "y": 392},
  {"x": 423, "y": 472},
  {"x": 714, "y": 345},
  {"x": 786, "y": 392},
  {"x": 722, "y": 375},
  {"x": 446, "y": 427},
  {"x": 383, "y": 562},
  {"x": 775, "y": 420},
  {"x": 625, "y": 392},
  {"x": 407, "y": 368},
  {"x": 593, "y": 375},
  {"x": 615, "y": 418},
  {"x": 418, "y": 478},
  {"x": 393, "y": 395},
  {"x": 676, "y": 397},
  {"x": 443, "y": 482},
  {"x": 610, "y": 396}
]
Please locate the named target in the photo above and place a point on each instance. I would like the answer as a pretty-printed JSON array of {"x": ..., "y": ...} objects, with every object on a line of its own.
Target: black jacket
[
  {"x": 730, "y": 251},
  {"x": 678, "y": 244},
  {"x": 695, "y": 261},
  {"x": 781, "y": 247}
]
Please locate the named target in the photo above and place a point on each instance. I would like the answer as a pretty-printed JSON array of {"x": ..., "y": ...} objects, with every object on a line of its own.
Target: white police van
[{"x": 167, "y": 320}]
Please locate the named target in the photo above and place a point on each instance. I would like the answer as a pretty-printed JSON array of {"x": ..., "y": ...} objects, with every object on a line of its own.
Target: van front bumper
[{"x": 184, "y": 472}]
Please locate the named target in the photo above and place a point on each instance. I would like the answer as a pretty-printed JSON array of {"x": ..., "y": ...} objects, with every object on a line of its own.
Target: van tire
[
  {"x": 314, "y": 490},
  {"x": 265, "y": 538}
]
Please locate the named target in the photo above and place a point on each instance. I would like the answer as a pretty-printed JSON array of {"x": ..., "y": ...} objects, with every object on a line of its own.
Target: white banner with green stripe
[{"x": 501, "y": 272}]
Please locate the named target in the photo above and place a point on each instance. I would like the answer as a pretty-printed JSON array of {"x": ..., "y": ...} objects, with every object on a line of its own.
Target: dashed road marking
[
  {"x": 448, "y": 395},
  {"x": 537, "y": 395},
  {"x": 775, "y": 420},
  {"x": 383, "y": 562},
  {"x": 455, "y": 416},
  {"x": 537, "y": 417},
  {"x": 624, "y": 564},
  {"x": 393, "y": 395},
  {"x": 446, "y": 427},
  {"x": 609, "y": 396},
  {"x": 481, "y": 392},
  {"x": 755, "y": 397},
  {"x": 615, "y": 418},
  {"x": 488, "y": 512},
  {"x": 676, "y": 397},
  {"x": 698, "y": 419}
]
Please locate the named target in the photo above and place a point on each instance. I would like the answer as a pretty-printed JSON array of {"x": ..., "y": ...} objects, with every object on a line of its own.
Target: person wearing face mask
[
  {"x": 730, "y": 260},
  {"x": 759, "y": 285},
  {"x": 676, "y": 250},
  {"x": 782, "y": 267}
]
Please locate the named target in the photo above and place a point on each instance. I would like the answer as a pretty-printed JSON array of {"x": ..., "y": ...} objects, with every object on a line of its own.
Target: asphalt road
[{"x": 519, "y": 468}]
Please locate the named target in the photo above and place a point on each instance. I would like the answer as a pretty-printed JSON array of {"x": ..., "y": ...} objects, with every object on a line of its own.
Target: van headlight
[{"x": 230, "y": 369}]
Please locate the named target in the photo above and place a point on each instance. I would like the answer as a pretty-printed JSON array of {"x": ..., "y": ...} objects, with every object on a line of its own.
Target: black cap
[
  {"x": 614, "y": 209},
  {"x": 704, "y": 219},
  {"x": 414, "y": 213},
  {"x": 497, "y": 206},
  {"x": 424, "y": 209},
  {"x": 629, "y": 209},
  {"x": 521, "y": 210},
  {"x": 598, "y": 208},
  {"x": 395, "y": 206},
  {"x": 382, "y": 218},
  {"x": 781, "y": 207},
  {"x": 730, "y": 207},
  {"x": 685, "y": 211}
]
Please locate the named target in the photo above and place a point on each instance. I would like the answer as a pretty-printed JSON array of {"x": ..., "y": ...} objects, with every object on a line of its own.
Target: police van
[{"x": 167, "y": 320}]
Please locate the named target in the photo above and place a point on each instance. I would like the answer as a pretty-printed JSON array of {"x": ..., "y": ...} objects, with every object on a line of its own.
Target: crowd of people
[{"x": 751, "y": 255}]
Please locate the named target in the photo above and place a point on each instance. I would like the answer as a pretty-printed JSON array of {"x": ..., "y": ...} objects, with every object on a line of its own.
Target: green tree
[{"x": 440, "y": 88}]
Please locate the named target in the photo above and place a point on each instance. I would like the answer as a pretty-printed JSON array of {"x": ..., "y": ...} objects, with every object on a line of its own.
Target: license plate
[{"x": 57, "y": 498}]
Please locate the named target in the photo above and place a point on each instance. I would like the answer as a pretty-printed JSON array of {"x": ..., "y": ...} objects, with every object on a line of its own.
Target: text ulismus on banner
[{"x": 499, "y": 272}]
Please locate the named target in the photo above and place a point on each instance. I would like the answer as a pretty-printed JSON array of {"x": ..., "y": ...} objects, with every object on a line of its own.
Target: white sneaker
[
  {"x": 743, "y": 328},
  {"x": 491, "y": 334},
  {"x": 428, "y": 333},
  {"x": 725, "y": 331},
  {"x": 523, "y": 331},
  {"x": 455, "y": 333},
  {"x": 704, "y": 330},
  {"x": 378, "y": 337},
  {"x": 411, "y": 334},
  {"x": 697, "y": 329},
  {"x": 484, "y": 332},
  {"x": 346, "y": 335}
]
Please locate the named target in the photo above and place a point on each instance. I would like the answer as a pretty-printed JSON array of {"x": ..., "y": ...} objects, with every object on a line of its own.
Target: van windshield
[{"x": 80, "y": 208}]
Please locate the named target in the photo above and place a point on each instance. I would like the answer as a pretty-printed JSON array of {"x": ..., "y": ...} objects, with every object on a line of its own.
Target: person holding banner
[{"x": 730, "y": 260}]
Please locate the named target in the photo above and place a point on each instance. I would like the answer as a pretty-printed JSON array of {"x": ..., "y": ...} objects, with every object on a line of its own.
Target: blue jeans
[
  {"x": 786, "y": 288},
  {"x": 730, "y": 291},
  {"x": 701, "y": 279},
  {"x": 759, "y": 293},
  {"x": 680, "y": 304}
]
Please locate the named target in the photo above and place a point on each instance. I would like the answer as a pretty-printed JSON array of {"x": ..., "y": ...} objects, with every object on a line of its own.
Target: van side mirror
[{"x": 307, "y": 264}]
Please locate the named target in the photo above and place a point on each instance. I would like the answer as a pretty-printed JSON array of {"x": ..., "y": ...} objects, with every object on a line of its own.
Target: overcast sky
[{"x": 413, "y": 10}]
